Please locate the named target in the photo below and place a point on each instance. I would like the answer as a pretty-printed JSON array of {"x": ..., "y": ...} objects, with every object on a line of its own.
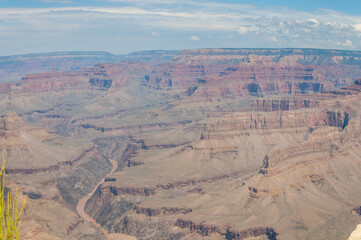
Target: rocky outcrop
[
  {"x": 149, "y": 228},
  {"x": 356, "y": 211},
  {"x": 257, "y": 192},
  {"x": 101, "y": 83},
  {"x": 203, "y": 229},
  {"x": 251, "y": 232},
  {"x": 135, "y": 127},
  {"x": 164, "y": 146},
  {"x": 142, "y": 191},
  {"x": 129, "y": 151},
  {"x": 33, "y": 171},
  {"x": 218, "y": 125},
  {"x": 208, "y": 230},
  {"x": 353, "y": 89},
  {"x": 274, "y": 105},
  {"x": 176, "y": 75},
  {"x": 161, "y": 211},
  {"x": 149, "y": 191}
]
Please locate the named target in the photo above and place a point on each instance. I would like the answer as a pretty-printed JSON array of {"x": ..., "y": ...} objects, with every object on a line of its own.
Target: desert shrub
[{"x": 9, "y": 210}]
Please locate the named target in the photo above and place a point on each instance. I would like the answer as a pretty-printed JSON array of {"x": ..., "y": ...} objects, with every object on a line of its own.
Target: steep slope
[
  {"x": 214, "y": 144},
  {"x": 279, "y": 174},
  {"x": 48, "y": 169}
]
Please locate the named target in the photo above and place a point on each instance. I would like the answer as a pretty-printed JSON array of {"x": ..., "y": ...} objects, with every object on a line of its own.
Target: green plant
[{"x": 9, "y": 210}]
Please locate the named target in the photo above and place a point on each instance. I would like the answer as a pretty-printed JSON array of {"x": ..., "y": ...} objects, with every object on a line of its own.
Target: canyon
[{"x": 192, "y": 144}]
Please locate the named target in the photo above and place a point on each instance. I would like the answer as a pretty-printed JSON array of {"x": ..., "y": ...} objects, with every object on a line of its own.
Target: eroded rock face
[
  {"x": 50, "y": 180},
  {"x": 214, "y": 144},
  {"x": 101, "y": 77},
  {"x": 223, "y": 72},
  {"x": 298, "y": 143},
  {"x": 277, "y": 105},
  {"x": 208, "y": 230},
  {"x": 161, "y": 211}
]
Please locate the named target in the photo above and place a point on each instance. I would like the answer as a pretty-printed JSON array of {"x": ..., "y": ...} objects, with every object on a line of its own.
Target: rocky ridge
[{"x": 257, "y": 72}]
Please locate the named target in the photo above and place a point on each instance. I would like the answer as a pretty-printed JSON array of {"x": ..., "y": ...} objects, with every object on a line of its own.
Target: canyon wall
[{"x": 209, "y": 144}]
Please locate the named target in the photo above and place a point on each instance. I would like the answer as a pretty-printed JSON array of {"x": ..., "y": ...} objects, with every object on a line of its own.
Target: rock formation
[
  {"x": 221, "y": 73},
  {"x": 33, "y": 158},
  {"x": 212, "y": 144}
]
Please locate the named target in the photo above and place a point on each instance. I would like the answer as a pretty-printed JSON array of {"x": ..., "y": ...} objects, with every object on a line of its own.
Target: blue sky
[{"x": 123, "y": 26}]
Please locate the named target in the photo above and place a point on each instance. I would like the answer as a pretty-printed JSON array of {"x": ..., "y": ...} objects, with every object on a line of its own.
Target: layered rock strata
[{"x": 213, "y": 144}]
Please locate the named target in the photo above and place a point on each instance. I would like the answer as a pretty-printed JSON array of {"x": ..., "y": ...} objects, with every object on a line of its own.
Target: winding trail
[{"x": 82, "y": 202}]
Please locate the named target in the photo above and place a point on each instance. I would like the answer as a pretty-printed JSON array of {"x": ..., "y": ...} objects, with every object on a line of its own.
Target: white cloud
[
  {"x": 155, "y": 33},
  {"x": 243, "y": 30},
  {"x": 348, "y": 43},
  {"x": 247, "y": 29},
  {"x": 194, "y": 38},
  {"x": 314, "y": 22},
  {"x": 357, "y": 27},
  {"x": 273, "y": 39}
]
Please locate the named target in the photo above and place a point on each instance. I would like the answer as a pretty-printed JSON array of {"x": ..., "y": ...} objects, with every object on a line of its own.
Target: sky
[{"x": 124, "y": 26}]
